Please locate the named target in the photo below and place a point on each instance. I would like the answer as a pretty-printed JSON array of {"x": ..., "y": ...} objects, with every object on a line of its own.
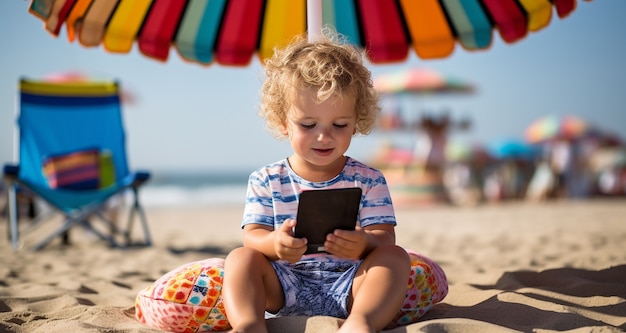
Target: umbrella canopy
[
  {"x": 608, "y": 158},
  {"x": 126, "y": 96},
  {"x": 230, "y": 32},
  {"x": 463, "y": 151},
  {"x": 512, "y": 149},
  {"x": 550, "y": 127},
  {"x": 603, "y": 138},
  {"x": 420, "y": 81}
]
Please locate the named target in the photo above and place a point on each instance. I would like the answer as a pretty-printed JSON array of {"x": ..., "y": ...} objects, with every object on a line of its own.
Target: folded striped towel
[{"x": 86, "y": 169}]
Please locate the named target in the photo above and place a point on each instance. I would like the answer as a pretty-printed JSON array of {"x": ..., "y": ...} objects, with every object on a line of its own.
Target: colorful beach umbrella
[
  {"x": 420, "y": 81},
  {"x": 126, "y": 96},
  {"x": 550, "y": 127},
  {"x": 460, "y": 150},
  {"x": 512, "y": 149},
  {"x": 230, "y": 32}
]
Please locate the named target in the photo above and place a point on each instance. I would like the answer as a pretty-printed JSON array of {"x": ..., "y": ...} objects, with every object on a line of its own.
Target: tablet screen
[{"x": 320, "y": 212}]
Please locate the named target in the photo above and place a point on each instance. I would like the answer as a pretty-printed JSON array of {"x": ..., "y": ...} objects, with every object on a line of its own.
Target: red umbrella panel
[{"x": 230, "y": 32}]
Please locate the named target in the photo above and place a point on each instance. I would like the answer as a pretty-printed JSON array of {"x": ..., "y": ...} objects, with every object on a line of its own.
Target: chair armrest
[
  {"x": 11, "y": 171},
  {"x": 140, "y": 178}
]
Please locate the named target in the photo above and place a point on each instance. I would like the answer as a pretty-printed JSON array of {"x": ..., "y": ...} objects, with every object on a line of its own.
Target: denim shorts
[{"x": 316, "y": 287}]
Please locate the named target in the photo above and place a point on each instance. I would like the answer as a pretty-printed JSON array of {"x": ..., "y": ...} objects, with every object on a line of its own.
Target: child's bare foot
[{"x": 356, "y": 324}]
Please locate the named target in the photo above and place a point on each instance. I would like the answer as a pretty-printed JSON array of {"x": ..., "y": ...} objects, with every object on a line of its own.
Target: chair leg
[
  {"x": 5, "y": 215},
  {"x": 81, "y": 219},
  {"x": 31, "y": 208},
  {"x": 110, "y": 238},
  {"x": 12, "y": 209},
  {"x": 64, "y": 228},
  {"x": 70, "y": 221},
  {"x": 66, "y": 238},
  {"x": 129, "y": 226},
  {"x": 144, "y": 224},
  {"x": 137, "y": 208}
]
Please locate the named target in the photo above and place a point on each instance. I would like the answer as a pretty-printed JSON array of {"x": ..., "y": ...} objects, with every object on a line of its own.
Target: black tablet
[{"x": 320, "y": 212}]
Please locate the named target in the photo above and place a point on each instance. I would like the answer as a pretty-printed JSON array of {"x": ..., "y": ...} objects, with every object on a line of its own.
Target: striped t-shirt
[{"x": 273, "y": 193}]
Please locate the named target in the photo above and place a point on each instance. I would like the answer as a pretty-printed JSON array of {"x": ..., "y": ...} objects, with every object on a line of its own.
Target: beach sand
[{"x": 558, "y": 266}]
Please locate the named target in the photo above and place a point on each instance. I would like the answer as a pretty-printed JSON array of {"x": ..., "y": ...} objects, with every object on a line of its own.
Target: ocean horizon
[{"x": 195, "y": 188}]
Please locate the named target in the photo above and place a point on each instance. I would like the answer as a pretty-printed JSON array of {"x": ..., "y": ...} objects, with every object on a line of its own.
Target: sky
[{"x": 189, "y": 117}]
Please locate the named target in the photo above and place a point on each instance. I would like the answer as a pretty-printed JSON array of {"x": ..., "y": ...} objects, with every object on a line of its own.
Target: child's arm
[
  {"x": 275, "y": 244},
  {"x": 358, "y": 243}
]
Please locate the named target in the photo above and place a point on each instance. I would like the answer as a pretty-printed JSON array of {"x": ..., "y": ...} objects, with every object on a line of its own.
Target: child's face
[{"x": 320, "y": 134}]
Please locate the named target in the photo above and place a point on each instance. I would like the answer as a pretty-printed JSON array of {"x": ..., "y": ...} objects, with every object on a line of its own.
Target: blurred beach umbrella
[
  {"x": 230, "y": 32},
  {"x": 603, "y": 138},
  {"x": 550, "y": 127},
  {"x": 126, "y": 96},
  {"x": 607, "y": 158},
  {"x": 463, "y": 151},
  {"x": 63, "y": 77},
  {"x": 458, "y": 151},
  {"x": 420, "y": 81},
  {"x": 401, "y": 91},
  {"x": 512, "y": 149}
]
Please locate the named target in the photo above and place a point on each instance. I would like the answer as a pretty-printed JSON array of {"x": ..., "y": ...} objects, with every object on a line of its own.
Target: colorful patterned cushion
[
  {"x": 427, "y": 286},
  {"x": 189, "y": 298}
]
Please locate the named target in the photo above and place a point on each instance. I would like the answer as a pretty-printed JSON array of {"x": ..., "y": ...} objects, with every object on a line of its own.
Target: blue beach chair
[{"x": 72, "y": 155}]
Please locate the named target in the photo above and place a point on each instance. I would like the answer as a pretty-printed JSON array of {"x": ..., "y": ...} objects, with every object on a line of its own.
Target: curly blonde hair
[{"x": 330, "y": 66}]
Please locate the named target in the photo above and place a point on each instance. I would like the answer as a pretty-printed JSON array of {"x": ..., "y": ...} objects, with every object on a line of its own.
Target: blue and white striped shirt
[{"x": 274, "y": 190}]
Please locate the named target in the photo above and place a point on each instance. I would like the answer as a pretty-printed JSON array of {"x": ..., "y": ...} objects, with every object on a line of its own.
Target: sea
[{"x": 195, "y": 188}]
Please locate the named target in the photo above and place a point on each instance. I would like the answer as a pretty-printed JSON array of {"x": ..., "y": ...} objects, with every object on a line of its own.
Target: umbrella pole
[{"x": 314, "y": 19}]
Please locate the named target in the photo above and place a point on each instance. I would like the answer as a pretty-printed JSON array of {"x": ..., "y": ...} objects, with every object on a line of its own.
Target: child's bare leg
[
  {"x": 378, "y": 291},
  {"x": 250, "y": 287}
]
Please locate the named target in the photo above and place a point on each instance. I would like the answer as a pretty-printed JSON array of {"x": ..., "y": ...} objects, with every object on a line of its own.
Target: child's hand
[
  {"x": 287, "y": 247},
  {"x": 347, "y": 243}
]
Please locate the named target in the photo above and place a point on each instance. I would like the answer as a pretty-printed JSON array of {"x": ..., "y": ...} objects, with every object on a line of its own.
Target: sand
[{"x": 558, "y": 266}]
